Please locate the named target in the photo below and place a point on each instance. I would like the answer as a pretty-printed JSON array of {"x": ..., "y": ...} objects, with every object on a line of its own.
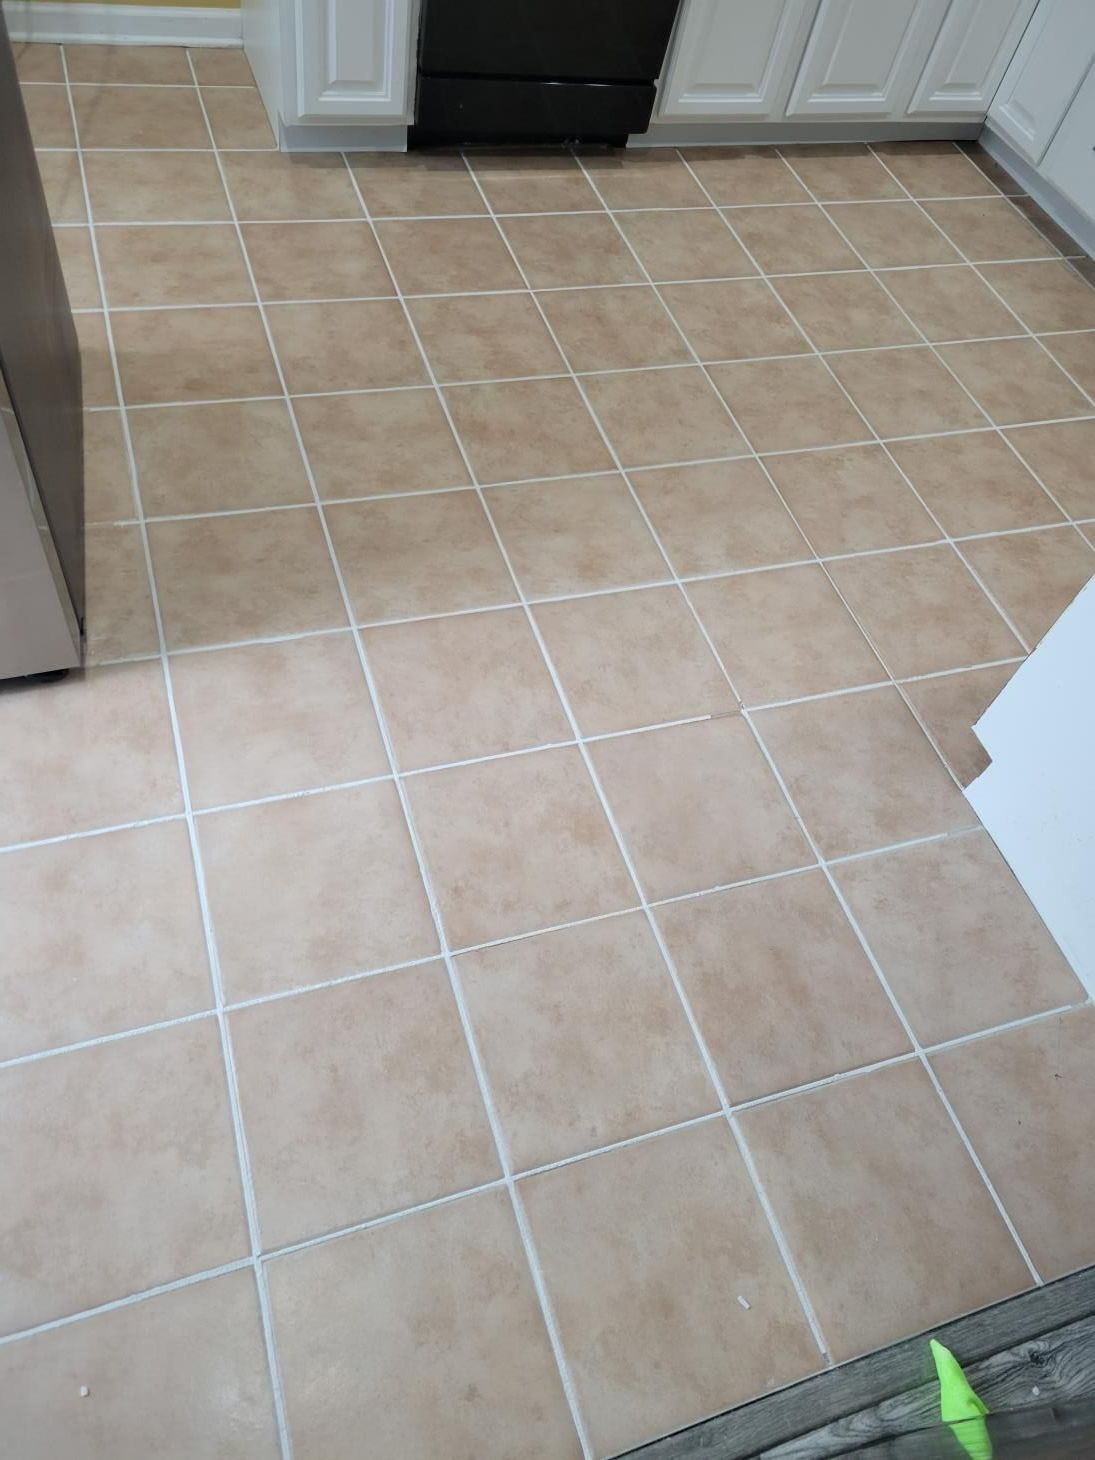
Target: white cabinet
[
  {"x": 864, "y": 57},
  {"x": 734, "y": 58},
  {"x": 1038, "y": 86},
  {"x": 971, "y": 53},
  {"x": 1070, "y": 162}
]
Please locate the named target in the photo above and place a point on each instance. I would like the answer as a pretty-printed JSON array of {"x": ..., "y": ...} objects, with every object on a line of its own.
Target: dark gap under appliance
[{"x": 538, "y": 71}]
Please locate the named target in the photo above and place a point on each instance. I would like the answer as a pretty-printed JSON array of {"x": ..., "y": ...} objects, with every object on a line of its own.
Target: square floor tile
[
  {"x": 193, "y": 263},
  {"x": 368, "y": 445},
  {"x": 841, "y": 172},
  {"x": 1076, "y": 354},
  {"x": 220, "y": 579},
  {"x": 526, "y": 429},
  {"x": 698, "y": 806},
  {"x": 645, "y": 178},
  {"x": 932, "y": 169},
  {"x": 164, "y": 187},
  {"x": 950, "y": 704},
  {"x": 891, "y": 234},
  {"x": 467, "y": 685},
  {"x": 1059, "y": 239},
  {"x": 651, "y": 1327},
  {"x": 146, "y": 1116},
  {"x": 583, "y": 1038},
  {"x": 221, "y": 66},
  {"x": 237, "y": 117},
  {"x": 320, "y": 345},
  {"x": 63, "y": 186},
  {"x": 734, "y": 321},
  {"x": 129, "y": 65},
  {"x": 862, "y": 772},
  {"x": 986, "y": 229},
  {"x": 108, "y": 491},
  {"x": 448, "y": 256},
  {"x": 517, "y": 844},
  {"x": 685, "y": 245},
  {"x": 35, "y": 61},
  {"x": 950, "y": 303},
  {"x": 879, "y": 1154},
  {"x": 48, "y": 115},
  {"x": 1025, "y": 1099},
  {"x": 990, "y": 170},
  {"x": 409, "y": 184},
  {"x": 97, "y": 372},
  {"x": 575, "y": 536},
  {"x": 358, "y": 1100},
  {"x": 784, "y": 633},
  {"x": 786, "y": 404},
  {"x": 923, "y": 610},
  {"x": 1015, "y": 381},
  {"x": 771, "y": 971},
  {"x": 167, "y": 355},
  {"x": 957, "y": 938},
  {"x": 271, "y": 718},
  {"x": 427, "y": 1334},
  {"x": 295, "y": 187},
  {"x": 78, "y": 267},
  {"x": 851, "y": 500},
  {"x": 614, "y": 329},
  {"x": 904, "y": 392},
  {"x": 126, "y": 768},
  {"x": 1046, "y": 296},
  {"x": 1034, "y": 576},
  {"x": 184, "y": 1373},
  {"x": 138, "y": 116},
  {"x": 845, "y": 311},
  {"x": 313, "y": 888},
  {"x": 535, "y": 181},
  {"x": 631, "y": 659},
  {"x": 418, "y": 555},
  {"x": 485, "y": 337},
  {"x": 742, "y": 175},
  {"x": 316, "y": 260},
  {"x": 99, "y": 938},
  {"x": 584, "y": 248},
  {"x": 1062, "y": 456},
  {"x": 718, "y": 516},
  {"x": 213, "y": 458},
  {"x": 792, "y": 240},
  {"x": 974, "y": 483},
  {"x": 662, "y": 416},
  {"x": 119, "y": 621}
]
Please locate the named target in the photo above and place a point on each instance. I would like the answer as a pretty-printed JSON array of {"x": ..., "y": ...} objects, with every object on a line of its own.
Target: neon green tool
[{"x": 960, "y": 1407}]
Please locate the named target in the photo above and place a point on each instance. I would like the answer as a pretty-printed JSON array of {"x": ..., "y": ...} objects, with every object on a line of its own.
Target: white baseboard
[{"x": 136, "y": 25}]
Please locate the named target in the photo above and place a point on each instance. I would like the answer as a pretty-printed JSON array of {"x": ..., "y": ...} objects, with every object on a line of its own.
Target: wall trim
[
  {"x": 137, "y": 25},
  {"x": 808, "y": 129},
  {"x": 1044, "y": 193}
]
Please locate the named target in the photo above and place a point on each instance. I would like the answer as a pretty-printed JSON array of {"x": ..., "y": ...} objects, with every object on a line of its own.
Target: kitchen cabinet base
[{"x": 691, "y": 134}]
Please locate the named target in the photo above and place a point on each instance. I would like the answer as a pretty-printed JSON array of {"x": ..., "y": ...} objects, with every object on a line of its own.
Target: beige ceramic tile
[
  {"x": 879, "y": 1154},
  {"x": 1034, "y": 576},
  {"x": 108, "y": 492},
  {"x": 129, "y": 65},
  {"x": 220, "y": 579},
  {"x": 448, "y": 255},
  {"x": 270, "y": 718},
  {"x": 989, "y": 229},
  {"x": 685, "y": 245},
  {"x": 125, "y": 770},
  {"x": 1058, "y": 238},
  {"x": 313, "y": 888},
  {"x": 734, "y": 321},
  {"x": 923, "y": 610},
  {"x": 366, "y": 445},
  {"x": 193, "y": 354},
  {"x": 792, "y": 240},
  {"x": 1062, "y": 456},
  {"x": 221, "y": 66},
  {"x": 95, "y": 366},
  {"x": 991, "y": 170},
  {"x": 78, "y": 267},
  {"x": 1046, "y": 296},
  {"x": 281, "y": 186},
  {"x": 316, "y": 260},
  {"x": 861, "y": 771},
  {"x": 407, "y": 184},
  {"x": 1025, "y": 1099},
  {"x": 583, "y": 1039},
  {"x": 698, "y": 806},
  {"x": 358, "y": 1100},
  {"x": 851, "y": 500},
  {"x": 532, "y": 182},
  {"x": 485, "y": 337},
  {"x": 651, "y": 1326},
  {"x": 1015, "y": 381},
  {"x": 320, "y": 345},
  {"x": 63, "y": 186},
  {"x": 35, "y": 61},
  {"x": 950, "y": 303},
  {"x": 141, "y": 187},
  {"x": 718, "y": 516},
  {"x": 771, "y": 971},
  {"x": 517, "y": 844},
  {"x": 845, "y": 311},
  {"x": 905, "y": 392},
  {"x": 957, "y": 938},
  {"x": 614, "y": 329},
  {"x": 139, "y": 116},
  {"x": 575, "y": 536},
  {"x": 48, "y": 115},
  {"x": 974, "y": 483},
  {"x": 146, "y": 1117},
  {"x": 218, "y": 457},
  {"x": 1076, "y": 354},
  {"x": 841, "y": 172},
  {"x": 418, "y": 555},
  {"x": 119, "y": 621},
  {"x": 238, "y": 118},
  {"x": 660, "y": 416},
  {"x": 526, "y": 429},
  {"x": 743, "y": 175},
  {"x": 891, "y": 234},
  {"x": 100, "y": 937},
  {"x": 645, "y": 178},
  {"x": 784, "y": 633},
  {"x": 187, "y": 264},
  {"x": 631, "y": 659},
  {"x": 425, "y": 1334},
  {"x": 932, "y": 169},
  {"x": 565, "y": 251},
  {"x": 467, "y": 685},
  {"x": 950, "y": 704},
  {"x": 181, "y": 1374},
  {"x": 786, "y": 404}
]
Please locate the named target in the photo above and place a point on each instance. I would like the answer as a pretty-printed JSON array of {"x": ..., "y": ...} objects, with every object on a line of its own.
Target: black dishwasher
[{"x": 538, "y": 70}]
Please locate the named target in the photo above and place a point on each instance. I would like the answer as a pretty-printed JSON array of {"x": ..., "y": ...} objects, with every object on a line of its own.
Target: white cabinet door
[
  {"x": 353, "y": 59},
  {"x": 1041, "y": 81},
  {"x": 734, "y": 58},
  {"x": 1070, "y": 162},
  {"x": 971, "y": 53},
  {"x": 864, "y": 57}
]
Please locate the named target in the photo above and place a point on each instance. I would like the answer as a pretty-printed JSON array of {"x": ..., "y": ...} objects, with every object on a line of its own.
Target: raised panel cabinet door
[
  {"x": 1038, "y": 86},
  {"x": 864, "y": 57},
  {"x": 354, "y": 59},
  {"x": 1070, "y": 162},
  {"x": 971, "y": 53},
  {"x": 734, "y": 58}
]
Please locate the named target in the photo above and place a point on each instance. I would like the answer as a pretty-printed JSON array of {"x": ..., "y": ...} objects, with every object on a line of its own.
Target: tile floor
[{"x": 510, "y": 969}]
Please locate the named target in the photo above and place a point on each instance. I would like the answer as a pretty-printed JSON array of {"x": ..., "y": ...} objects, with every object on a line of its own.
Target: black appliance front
[{"x": 538, "y": 70}]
